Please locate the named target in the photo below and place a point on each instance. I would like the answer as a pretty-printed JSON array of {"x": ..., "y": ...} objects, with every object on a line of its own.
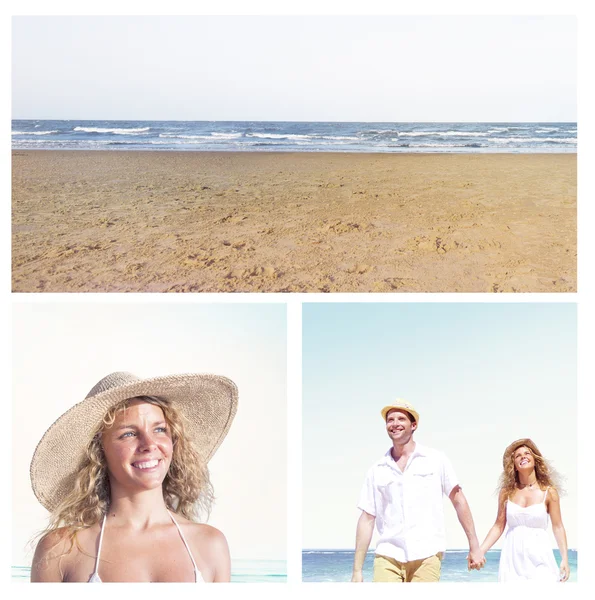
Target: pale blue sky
[
  {"x": 309, "y": 68},
  {"x": 481, "y": 375}
]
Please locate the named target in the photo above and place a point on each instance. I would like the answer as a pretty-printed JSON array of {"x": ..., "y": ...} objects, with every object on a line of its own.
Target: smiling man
[{"x": 402, "y": 496}]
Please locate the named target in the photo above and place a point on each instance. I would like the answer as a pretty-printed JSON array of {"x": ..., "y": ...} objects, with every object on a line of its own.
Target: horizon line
[
  {"x": 272, "y": 121},
  {"x": 447, "y": 550}
]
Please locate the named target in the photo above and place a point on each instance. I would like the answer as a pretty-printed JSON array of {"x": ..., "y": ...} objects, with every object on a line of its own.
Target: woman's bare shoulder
[
  {"x": 201, "y": 532},
  {"x": 51, "y": 556},
  {"x": 58, "y": 549},
  {"x": 209, "y": 547},
  {"x": 54, "y": 543},
  {"x": 206, "y": 539},
  {"x": 195, "y": 528},
  {"x": 213, "y": 550}
]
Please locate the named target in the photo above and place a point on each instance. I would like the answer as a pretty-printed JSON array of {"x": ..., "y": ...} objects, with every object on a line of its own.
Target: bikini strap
[
  {"x": 99, "y": 546},
  {"x": 196, "y": 571}
]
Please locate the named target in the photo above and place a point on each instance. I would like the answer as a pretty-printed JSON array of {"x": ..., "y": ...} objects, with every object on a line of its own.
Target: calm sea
[
  {"x": 335, "y": 565},
  {"x": 294, "y": 136},
  {"x": 243, "y": 571}
]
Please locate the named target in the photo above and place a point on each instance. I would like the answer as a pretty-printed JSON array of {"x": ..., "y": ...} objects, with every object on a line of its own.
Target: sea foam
[
  {"x": 442, "y": 133},
  {"x": 523, "y": 140},
  {"x": 118, "y": 131},
  {"x": 33, "y": 132}
]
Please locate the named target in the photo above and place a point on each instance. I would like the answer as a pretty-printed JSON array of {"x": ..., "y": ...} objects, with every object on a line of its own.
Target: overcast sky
[
  {"x": 61, "y": 350},
  {"x": 480, "y": 375},
  {"x": 303, "y": 68}
]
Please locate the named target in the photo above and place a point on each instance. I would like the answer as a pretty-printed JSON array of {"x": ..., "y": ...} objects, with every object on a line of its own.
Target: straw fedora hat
[
  {"x": 400, "y": 404},
  {"x": 209, "y": 402}
]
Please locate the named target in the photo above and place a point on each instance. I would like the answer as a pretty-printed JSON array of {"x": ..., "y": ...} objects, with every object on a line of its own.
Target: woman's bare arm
[
  {"x": 553, "y": 507},
  {"x": 497, "y": 528}
]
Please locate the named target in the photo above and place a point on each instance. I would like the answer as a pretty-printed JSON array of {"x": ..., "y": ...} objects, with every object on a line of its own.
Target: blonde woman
[
  {"x": 124, "y": 476},
  {"x": 528, "y": 500}
]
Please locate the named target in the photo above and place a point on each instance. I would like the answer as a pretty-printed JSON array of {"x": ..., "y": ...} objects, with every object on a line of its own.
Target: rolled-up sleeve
[
  {"x": 366, "y": 497},
  {"x": 449, "y": 477}
]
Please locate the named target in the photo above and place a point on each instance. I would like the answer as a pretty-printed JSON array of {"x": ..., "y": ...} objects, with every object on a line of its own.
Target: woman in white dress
[{"x": 528, "y": 500}]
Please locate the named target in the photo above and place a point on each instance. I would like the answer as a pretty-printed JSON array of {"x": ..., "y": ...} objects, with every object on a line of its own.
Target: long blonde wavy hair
[
  {"x": 187, "y": 489},
  {"x": 546, "y": 475}
]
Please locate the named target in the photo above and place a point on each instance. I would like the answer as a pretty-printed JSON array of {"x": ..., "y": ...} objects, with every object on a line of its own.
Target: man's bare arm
[
  {"x": 476, "y": 559},
  {"x": 363, "y": 537}
]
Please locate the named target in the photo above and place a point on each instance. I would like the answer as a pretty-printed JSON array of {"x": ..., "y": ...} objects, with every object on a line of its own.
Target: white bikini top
[{"x": 95, "y": 576}]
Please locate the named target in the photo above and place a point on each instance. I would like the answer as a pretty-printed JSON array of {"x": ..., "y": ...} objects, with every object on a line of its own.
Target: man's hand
[
  {"x": 475, "y": 559},
  {"x": 357, "y": 577}
]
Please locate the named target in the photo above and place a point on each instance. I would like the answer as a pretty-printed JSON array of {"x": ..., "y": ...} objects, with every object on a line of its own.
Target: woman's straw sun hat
[
  {"x": 209, "y": 402},
  {"x": 527, "y": 442}
]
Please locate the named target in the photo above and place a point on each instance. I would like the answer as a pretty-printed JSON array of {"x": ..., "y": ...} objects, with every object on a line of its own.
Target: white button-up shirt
[{"x": 408, "y": 505}]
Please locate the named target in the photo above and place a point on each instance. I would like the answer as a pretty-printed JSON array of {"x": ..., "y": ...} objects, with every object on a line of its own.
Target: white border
[{"x": 584, "y": 298}]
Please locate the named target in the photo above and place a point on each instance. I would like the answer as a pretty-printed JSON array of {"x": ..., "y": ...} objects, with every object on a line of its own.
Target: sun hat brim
[
  {"x": 209, "y": 402},
  {"x": 529, "y": 443}
]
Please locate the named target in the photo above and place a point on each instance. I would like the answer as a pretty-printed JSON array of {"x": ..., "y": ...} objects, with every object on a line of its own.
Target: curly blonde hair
[
  {"x": 187, "y": 489},
  {"x": 545, "y": 473}
]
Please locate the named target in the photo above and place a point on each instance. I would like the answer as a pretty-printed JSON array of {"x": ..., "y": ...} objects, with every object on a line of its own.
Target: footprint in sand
[
  {"x": 340, "y": 227},
  {"x": 359, "y": 269},
  {"x": 395, "y": 283},
  {"x": 239, "y": 273},
  {"x": 264, "y": 272}
]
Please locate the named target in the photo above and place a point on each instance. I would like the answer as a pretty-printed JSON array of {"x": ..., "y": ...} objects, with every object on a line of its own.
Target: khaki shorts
[{"x": 390, "y": 570}]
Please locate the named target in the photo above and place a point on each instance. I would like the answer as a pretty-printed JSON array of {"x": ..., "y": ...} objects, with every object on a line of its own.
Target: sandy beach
[{"x": 85, "y": 221}]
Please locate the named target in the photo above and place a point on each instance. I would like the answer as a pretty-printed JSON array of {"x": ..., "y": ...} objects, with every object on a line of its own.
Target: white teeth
[{"x": 146, "y": 465}]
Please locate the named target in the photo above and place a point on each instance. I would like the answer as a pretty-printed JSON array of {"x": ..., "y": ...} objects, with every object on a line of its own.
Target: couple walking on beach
[{"x": 402, "y": 497}]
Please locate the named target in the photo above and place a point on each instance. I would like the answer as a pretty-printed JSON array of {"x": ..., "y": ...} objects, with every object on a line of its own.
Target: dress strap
[
  {"x": 196, "y": 571},
  {"x": 545, "y": 495}
]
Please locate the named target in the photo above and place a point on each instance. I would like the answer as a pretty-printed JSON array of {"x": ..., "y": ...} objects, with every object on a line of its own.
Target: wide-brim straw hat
[
  {"x": 400, "y": 404},
  {"x": 209, "y": 403},
  {"x": 529, "y": 443}
]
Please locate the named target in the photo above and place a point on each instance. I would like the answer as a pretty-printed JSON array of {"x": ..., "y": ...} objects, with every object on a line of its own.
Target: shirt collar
[{"x": 419, "y": 450}]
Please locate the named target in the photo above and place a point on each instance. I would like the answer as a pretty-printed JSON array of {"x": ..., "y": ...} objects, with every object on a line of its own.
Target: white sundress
[{"x": 527, "y": 553}]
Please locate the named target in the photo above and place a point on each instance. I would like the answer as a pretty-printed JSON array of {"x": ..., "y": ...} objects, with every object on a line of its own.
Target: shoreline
[
  {"x": 450, "y": 151},
  {"x": 276, "y": 221}
]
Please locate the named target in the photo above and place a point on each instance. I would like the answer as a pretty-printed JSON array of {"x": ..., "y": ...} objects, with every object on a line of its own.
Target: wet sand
[{"x": 293, "y": 222}]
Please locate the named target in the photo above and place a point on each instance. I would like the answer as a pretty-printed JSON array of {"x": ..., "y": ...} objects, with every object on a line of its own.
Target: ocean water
[
  {"x": 335, "y": 565},
  {"x": 242, "y": 571},
  {"x": 294, "y": 136}
]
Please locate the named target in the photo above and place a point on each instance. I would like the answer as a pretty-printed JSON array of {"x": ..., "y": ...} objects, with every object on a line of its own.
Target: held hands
[{"x": 475, "y": 559}]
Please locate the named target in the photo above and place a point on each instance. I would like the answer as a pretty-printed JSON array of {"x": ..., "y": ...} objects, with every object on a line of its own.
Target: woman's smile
[
  {"x": 146, "y": 465},
  {"x": 138, "y": 446}
]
